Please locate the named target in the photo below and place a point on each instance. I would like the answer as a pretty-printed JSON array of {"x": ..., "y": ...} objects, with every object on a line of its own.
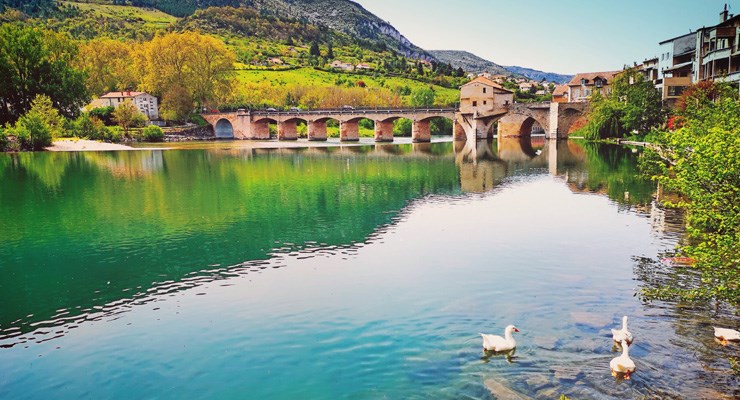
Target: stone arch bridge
[
  {"x": 244, "y": 124},
  {"x": 556, "y": 119}
]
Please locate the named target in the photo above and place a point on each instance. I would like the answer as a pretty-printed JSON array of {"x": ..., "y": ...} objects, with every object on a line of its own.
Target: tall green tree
[
  {"x": 634, "y": 106},
  {"x": 423, "y": 97},
  {"x": 34, "y": 62}
]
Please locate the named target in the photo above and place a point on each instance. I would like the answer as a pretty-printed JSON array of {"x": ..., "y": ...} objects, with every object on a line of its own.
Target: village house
[
  {"x": 481, "y": 95},
  {"x": 275, "y": 61},
  {"x": 718, "y": 50},
  {"x": 584, "y": 85},
  {"x": 365, "y": 67},
  {"x": 525, "y": 86},
  {"x": 560, "y": 94},
  {"x": 145, "y": 102},
  {"x": 342, "y": 65}
]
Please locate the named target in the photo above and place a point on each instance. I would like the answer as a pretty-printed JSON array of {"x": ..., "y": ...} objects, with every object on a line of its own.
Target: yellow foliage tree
[
  {"x": 201, "y": 64},
  {"x": 109, "y": 65}
]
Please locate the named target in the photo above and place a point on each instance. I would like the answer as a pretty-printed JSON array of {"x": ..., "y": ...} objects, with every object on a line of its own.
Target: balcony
[{"x": 715, "y": 55}]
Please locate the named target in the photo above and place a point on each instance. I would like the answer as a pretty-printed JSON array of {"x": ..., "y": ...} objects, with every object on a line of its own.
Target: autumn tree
[
  {"x": 176, "y": 104},
  {"x": 127, "y": 115},
  {"x": 201, "y": 64},
  {"x": 108, "y": 65}
]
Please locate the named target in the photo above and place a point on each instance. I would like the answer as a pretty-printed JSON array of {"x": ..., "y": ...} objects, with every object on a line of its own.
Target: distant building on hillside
[
  {"x": 275, "y": 61},
  {"x": 365, "y": 67},
  {"x": 342, "y": 65},
  {"x": 145, "y": 102},
  {"x": 584, "y": 85},
  {"x": 482, "y": 95}
]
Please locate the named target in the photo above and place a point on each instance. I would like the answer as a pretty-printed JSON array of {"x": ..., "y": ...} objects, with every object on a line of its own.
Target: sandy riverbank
[{"x": 87, "y": 145}]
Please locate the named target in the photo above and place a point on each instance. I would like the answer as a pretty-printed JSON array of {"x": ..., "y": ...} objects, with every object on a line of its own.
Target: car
[
  {"x": 270, "y": 109},
  {"x": 294, "y": 109},
  {"x": 347, "y": 108}
]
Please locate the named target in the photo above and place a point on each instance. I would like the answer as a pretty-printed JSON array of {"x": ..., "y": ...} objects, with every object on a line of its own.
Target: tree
[
  {"x": 39, "y": 125},
  {"x": 422, "y": 97},
  {"x": 127, "y": 115},
  {"x": 634, "y": 106},
  {"x": 108, "y": 65},
  {"x": 201, "y": 64},
  {"x": 176, "y": 104},
  {"x": 700, "y": 161},
  {"x": 314, "y": 51},
  {"x": 330, "y": 52},
  {"x": 34, "y": 62}
]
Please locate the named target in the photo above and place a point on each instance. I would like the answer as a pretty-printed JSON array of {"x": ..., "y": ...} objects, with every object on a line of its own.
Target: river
[{"x": 356, "y": 272}]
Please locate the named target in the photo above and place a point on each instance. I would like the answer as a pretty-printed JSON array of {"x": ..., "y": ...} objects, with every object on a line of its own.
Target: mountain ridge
[{"x": 473, "y": 63}]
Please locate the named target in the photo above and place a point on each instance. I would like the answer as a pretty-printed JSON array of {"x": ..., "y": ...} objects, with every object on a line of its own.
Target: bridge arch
[
  {"x": 571, "y": 119},
  {"x": 224, "y": 129}
]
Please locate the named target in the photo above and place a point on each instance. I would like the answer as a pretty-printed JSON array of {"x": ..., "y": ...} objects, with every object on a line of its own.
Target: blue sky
[{"x": 564, "y": 36}]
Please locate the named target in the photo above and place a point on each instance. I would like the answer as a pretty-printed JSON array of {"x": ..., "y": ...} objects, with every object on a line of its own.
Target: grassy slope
[
  {"x": 150, "y": 16},
  {"x": 312, "y": 77}
]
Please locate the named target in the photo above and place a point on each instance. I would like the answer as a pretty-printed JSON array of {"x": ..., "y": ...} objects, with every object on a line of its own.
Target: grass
[
  {"x": 148, "y": 15},
  {"x": 317, "y": 78}
]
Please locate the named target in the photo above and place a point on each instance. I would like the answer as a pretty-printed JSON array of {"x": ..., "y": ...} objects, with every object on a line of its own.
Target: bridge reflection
[{"x": 485, "y": 163}]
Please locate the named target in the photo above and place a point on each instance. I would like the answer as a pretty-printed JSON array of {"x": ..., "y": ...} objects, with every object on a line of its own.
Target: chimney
[{"x": 723, "y": 15}]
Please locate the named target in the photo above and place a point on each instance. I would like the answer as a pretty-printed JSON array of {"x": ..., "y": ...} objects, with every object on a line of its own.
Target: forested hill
[
  {"x": 344, "y": 16},
  {"x": 29, "y": 7}
]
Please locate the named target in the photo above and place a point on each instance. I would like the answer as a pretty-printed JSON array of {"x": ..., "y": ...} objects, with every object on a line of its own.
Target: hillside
[
  {"x": 344, "y": 16},
  {"x": 472, "y": 63}
]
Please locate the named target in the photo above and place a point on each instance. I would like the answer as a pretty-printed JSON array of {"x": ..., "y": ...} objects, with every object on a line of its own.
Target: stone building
[
  {"x": 482, "y": 95},
  {"x": 145, "y": 102},
  {"x": 584, "y": 85}
]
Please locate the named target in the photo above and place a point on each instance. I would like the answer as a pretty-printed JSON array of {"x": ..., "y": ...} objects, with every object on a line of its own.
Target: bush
[
  {"x": 104, "y": 114},
  {"x": 153, "y": 133},
  {"x": 4, "y": 141},
  {"x": 113, "y": 134},
  {"x": 86, "y": 126}
]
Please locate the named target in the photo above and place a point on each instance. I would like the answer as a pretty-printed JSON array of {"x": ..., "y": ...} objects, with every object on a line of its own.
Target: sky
[{"x": 562, "y": 36}]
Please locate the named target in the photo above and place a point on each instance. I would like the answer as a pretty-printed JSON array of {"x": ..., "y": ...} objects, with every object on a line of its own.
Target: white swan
[
  {"x": 618, "y": 335},
  {"x": 726, "y": 335},
  {"x": 497, "y": 343},
  {"x": 623, "y": 365}
]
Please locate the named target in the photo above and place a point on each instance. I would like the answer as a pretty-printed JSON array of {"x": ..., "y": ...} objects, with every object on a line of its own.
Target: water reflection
[{"x": 104, "y": 234}]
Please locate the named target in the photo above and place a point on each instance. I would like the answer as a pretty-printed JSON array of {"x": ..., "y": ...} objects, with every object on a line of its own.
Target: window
[
  {"x": 485, "y": 102},
  {"x": 598, "y": 83},
  {"x": 583, "y": 81},
  {"x": 484, "y": 90},
  {"x": 475, "y": 104},
  {"x": 675, "y": 91}
]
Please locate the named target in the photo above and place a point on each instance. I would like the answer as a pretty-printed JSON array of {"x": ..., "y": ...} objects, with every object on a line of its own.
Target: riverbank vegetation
[
  {"x": 698, "y": 158},
  {"x": 632, "y": 108},
  {"x": 694, "y": 155}
]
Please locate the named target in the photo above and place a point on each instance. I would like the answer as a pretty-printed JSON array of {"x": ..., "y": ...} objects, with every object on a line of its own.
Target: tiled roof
[
  {"x": 486, "y": 81},
  {"x": 590, "y": 76},
  {"x": 560, "y": 90},
  {"x": 125, "y": 95}
]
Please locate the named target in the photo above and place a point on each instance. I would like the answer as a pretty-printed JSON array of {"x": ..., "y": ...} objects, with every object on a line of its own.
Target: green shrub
[
  {"x": 104, "y": 114},
  {"x": 198, "y": 120},
  {"x": 113, "y": 134},
  {"x": 4, "y": 141},
  {"x": 153, "y": 133},
  {"x": 87, "y": 126}
]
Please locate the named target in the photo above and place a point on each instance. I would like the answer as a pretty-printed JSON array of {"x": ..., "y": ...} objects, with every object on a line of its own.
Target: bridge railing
[
  {"x": 342, "y": 111},
  {"x": 354, "y": 111}
]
